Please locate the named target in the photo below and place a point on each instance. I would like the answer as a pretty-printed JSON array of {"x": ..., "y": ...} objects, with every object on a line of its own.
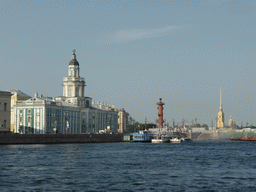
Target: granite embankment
[
  {"x": 219, "y": 135},
  {"x": 8, "y": 139}
]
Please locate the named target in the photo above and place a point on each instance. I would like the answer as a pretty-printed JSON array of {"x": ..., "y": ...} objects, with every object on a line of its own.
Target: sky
[{"x": 132, "y": 53}]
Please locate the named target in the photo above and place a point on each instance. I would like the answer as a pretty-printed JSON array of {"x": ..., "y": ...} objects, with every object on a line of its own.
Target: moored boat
[
  {"x": 247, "y": 138},
  {"x": 143, "y": 136},
  {"x": 161, "y": 139},
  {"x": 177, "y": 139}
]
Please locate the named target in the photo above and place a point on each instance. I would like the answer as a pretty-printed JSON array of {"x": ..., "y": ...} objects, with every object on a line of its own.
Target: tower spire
[
  {"x": 220, "y": 98},
  {"x": 220, "y": 122},
  {"x": 74, "y": 54}
]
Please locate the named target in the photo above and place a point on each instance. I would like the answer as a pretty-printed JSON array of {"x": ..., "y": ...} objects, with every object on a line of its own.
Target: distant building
[
  {"x": 104, "y": 115},
  {"x": 232, "y": 123},
  {"x": 5, "y": 110},
  {"x": 220, "y": 122},
  {"x": 123, "y": 123},
  {"x": 198, "y": 129}
]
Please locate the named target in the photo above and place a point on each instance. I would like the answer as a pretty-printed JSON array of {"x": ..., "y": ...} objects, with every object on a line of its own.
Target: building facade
[
  {"x": 40, "y": 115},
  {"x": 123, "y": 122},
  {"x": 72, "y": 113},
  {"x": 17, "y": 95},
  {"x": 107, "y": 116},
  {"x": 5, "y": 110}
]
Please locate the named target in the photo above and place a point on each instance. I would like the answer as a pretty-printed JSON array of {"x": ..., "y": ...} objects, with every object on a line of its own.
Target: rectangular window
[
  {"x": 5, "y": 106},
  {"x": 29, "y": 111},
  {"x": 20, "y": 119},
  {"x": 21, "y": 111},
  {"x": 29, "y": 119},
  {"x": 69, "y": 91},
  {"x": 5, "y": 123}
]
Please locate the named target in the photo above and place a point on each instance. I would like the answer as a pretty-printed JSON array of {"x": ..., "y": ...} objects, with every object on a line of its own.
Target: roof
[
  {"x": 20, "y": 93},
  {"x": 73, "y": 61},
  {"x": 5, "y": 93}
]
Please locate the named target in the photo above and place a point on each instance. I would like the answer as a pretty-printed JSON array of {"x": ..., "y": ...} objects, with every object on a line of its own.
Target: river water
[{"x": 194, "y": 166}]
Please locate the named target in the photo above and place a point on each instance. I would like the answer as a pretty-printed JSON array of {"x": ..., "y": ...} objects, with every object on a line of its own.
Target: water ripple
[{"x": 197, "y": 166}]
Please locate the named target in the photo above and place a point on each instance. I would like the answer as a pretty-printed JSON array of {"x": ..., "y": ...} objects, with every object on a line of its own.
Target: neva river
[{"x": 195, "y": 166}]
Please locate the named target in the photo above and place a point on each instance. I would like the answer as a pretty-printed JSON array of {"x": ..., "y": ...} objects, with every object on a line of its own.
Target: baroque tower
[
  {"x": 73, "y": 85},
  {"x": 220, "y": 122}
]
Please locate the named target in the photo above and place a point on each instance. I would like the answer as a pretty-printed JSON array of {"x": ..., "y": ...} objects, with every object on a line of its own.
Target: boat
[
  {"x": 247, "y": 138},
  {"x": 161, "y": 139},
  {"x": 143, "y": 136},
  {"x": 175, "y": 139},
  {"x": 185, "y": 139},
  {"x": 178, "y": 139}
]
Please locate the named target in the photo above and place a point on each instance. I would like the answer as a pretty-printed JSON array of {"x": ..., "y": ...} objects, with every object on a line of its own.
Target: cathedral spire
[
  {"x": 220, "y": 98},
  {"x": 220, "y": 122}
]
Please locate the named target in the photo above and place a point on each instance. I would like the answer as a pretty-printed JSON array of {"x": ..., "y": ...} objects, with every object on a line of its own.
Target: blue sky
[{"x": 131, "y": 53}]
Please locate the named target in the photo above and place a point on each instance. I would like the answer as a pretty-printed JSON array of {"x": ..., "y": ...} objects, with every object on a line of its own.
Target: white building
[
  {"x": 72, "y": 113},
  {"x": 17, "y": 95},
  {"x": 39, "y": 115}
]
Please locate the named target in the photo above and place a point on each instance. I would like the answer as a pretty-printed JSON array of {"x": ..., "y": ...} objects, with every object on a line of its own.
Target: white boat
[
  {"x": 161, "y": 139},
  {"x": 177, "y": 139},
  {"x": 185, "y": 139}
]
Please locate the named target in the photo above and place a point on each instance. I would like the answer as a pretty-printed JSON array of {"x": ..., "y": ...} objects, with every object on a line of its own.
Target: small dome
[{"x": 74, "y": 61}]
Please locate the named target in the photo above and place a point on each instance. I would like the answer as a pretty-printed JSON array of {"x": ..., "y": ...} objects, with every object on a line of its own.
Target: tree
[
  {"x": 197, "y": 125},
  {"x": 143, "y": 126},
  {"x": 205, "y": 125},
  {"x": 133, "y": 126}
]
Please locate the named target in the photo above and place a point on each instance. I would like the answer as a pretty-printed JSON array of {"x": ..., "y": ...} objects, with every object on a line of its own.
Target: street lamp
[{"x": 55, "y": 127}]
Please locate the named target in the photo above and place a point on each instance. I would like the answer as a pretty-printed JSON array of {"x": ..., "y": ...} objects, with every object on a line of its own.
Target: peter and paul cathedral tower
[{"x": 220, "y": 122}]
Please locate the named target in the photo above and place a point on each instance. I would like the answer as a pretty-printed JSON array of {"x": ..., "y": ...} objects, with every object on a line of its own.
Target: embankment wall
[
  {"x": 220, "y": 135},
  {"x": 8, "y": 139}
]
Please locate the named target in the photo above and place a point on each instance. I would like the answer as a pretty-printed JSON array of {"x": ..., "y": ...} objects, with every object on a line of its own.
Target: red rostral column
[{"x": 160, "y": 112}]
